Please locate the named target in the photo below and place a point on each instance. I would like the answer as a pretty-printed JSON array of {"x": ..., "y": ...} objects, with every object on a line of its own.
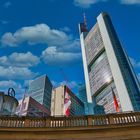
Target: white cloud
[
  {"x": 19, "y": 60},
  {"x": 89, "y": 3},
  {"x": 66, "y": 47},
  {"x": 70, "y": 84},
  {"x": 4, "y": 22},
  {"x": 5, "y": 85},
  {"x": 7, "y": 4},
  {"x": 64, "y": 44},
  {"x": 65, "y": 29},
  {"x": 135, "y": 63},
  {"x": 86, "y": 3},
  {"x": 8, "y": 84},
  {"x": 52, "y": 56},
  {"x": 16, "y": 73},
  {"x": 138, "y": 75},
  {"x": 40, "y": 33},
  {"x": 130, "y": 1}
]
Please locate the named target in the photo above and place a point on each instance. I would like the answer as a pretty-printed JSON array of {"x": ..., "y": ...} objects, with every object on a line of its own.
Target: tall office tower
[
  {"x": 60, "y": 102},
  {"x": 109, "y": 76},
  {"x": 40, "y": 89},
  {"x": 83, "y": 96}
]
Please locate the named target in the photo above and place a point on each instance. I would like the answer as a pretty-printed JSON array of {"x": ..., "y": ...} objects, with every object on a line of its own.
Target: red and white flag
[
  {"x": 115, "y": 101},
  {"x": 67, "y": 103}
]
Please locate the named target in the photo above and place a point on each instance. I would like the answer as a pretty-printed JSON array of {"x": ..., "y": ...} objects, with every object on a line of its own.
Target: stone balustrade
[{"x": 78, "y": 121}]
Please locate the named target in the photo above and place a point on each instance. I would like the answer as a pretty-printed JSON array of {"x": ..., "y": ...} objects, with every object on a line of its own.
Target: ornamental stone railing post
[
  {"x": 27, "y": 122},
  {"x": 111, "y": 119},
  {"x": 48, "y": 122},
  {"x": 90, "y": 120}
]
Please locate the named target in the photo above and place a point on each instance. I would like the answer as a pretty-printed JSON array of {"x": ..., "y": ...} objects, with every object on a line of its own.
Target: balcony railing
[{"x": 81, "y": 121}]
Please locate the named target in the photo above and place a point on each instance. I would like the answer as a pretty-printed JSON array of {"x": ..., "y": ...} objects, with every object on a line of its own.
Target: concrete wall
[
  {"x": 57, "y": 102},
  {"x": 120, "y": 132}
]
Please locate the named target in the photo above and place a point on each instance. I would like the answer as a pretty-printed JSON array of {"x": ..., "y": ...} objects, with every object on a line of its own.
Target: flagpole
[
  {"x": 109, "y": 81},
  {"x": 115, "y": 100}
]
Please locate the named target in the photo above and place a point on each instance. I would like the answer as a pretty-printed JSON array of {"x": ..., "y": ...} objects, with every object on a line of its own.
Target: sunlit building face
[{"x": 107, "y": 69}]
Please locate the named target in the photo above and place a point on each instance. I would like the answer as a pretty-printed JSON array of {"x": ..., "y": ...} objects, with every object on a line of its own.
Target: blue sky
[{"x": 41, "y": 37}]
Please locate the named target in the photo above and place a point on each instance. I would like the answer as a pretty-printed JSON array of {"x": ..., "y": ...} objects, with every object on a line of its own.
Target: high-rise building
[
  {"x": 83, "y": 96},
  {"x": 109, "y": 76},
  {"x": 58, "y": 102},
  {"x": 30, "y": 107},
  {"x": 82, "y": 93},
  {"x": 40, "y": 89}
]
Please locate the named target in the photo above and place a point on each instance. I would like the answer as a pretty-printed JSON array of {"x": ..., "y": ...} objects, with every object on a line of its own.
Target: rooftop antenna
[{"x": 85, "y": 20}]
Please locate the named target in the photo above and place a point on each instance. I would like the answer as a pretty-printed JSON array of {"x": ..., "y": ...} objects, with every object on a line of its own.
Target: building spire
[
  {"x": 83, "y": 25},
  {"x": 85, "y": 20}
]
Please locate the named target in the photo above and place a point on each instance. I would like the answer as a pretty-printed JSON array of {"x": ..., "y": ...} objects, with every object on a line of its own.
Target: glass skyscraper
[
  {"x": 107, "y": 68},
  {"x": 40, "y": 89},
  {"x": 82, "y": 93},
  {"x": 83, "y": 96}
]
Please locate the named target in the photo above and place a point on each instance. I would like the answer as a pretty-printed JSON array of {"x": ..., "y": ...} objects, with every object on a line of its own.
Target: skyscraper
[
  {"x": 83, "y": 96},
  {"x": 109, "y": 76},
  {"x": 40, "y": 89}
]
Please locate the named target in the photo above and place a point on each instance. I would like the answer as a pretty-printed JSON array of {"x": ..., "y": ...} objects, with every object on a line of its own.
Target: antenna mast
[{"x": 85, "y": 20}]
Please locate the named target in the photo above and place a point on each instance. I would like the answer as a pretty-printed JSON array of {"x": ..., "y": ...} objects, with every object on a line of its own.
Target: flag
[
  {"x": 115, "y": 101},
  {"x": 67, "y": 103}
]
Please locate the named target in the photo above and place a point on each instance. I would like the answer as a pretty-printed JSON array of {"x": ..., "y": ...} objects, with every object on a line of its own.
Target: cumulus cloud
[
  {"x": 6, "y": 84},
  {"x": 86, "y": 3},
  {"x": 89, "y": 3},
  {"x": 40, "y": 33},
  {"x": 19, "y": 60},
  {"x": 135, "y": 63},
  {"x": 65, "y": 29},
  {"x": 52, "y": 56},
  {"x": 138, "y": 75},
  {"x": 130, "y": 1},
  {"x": 7, "y": 4},
  {"x": 65, "y": 48},
  {"x": 4, "y": 22},
  {"x": 16, "y": 73},
  {"x": 71, "y": 84}
]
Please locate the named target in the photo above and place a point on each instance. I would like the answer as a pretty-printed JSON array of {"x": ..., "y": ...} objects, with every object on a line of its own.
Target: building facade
[
  {"x": 107, "y": 68},
  {"x": 83, "y": 96},
  {"x": 8, "y": 104},
  {"x": 82, "y": 93},
  {"x": 57, "y": 103},
  {"x": 40, "y": 89},
  {"x": 30, "y": 107}
]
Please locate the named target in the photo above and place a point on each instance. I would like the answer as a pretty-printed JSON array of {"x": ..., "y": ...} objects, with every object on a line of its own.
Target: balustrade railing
[{"x": 79, "y": 121}]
